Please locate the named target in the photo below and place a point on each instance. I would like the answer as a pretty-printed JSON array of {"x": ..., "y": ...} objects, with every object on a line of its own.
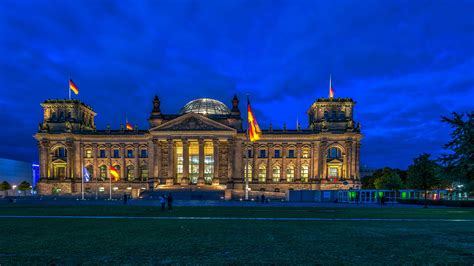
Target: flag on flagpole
[
  {"x": 253, "y": 129},
  {"x": 73, "y": 87},
  {"x": 128, "y": 126},
  {"x": 114, "y": 173},
  {"x": 86, "y": 175},
  {"x": 331, "y": 91}
]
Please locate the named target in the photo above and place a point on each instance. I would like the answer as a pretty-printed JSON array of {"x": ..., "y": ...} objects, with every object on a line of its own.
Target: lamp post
[{"x": 14, "y": 190}]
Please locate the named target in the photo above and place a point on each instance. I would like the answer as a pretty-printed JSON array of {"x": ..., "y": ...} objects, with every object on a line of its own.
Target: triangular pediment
[
  {"x": 192, "y": 122},
  {"x": 334, "y": 161}
]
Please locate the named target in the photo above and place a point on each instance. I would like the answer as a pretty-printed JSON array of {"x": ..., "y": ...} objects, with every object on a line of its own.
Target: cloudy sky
[{"x": 406, "y": 63}]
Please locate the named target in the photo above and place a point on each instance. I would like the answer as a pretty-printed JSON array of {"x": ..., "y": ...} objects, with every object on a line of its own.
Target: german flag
[
  {"x": 128, "y": 126},
  {"x": 254, "y": 130},
  {"x": 73, "y": 87},
  {"x": 331, "y": 91},
  {"x": 114, "y": 173}
]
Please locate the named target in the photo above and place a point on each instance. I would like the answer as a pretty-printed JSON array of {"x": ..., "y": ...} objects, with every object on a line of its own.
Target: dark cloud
[{"x": 406, "y": 63}]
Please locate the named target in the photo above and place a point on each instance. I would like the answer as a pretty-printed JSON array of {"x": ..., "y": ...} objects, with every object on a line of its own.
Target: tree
[
  {"x": 459, "y": 163},
  {"x": 424, "y": 174},
  {"x": 5, "y": 186},
  {"x": 24, "y": 186},
  {"x": 390, "y": 179}
]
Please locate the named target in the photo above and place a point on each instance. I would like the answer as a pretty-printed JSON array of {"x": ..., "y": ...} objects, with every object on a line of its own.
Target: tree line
[{"x": 454, "y": 169}]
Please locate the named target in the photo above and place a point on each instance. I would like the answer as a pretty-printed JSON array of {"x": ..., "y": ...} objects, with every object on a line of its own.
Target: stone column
[
  {"x": 123, "y": 166},
  {"x": 69, "y": 160},
  {"x": 151, "y": 159},
  {"x": 136, "y": 159},
  {"x": 298, "y": 163},
  {"x": 95, "y": 167},
  {"x": 185, "y": 161},
  {"x": 315, "y": 159},
  {"x": 170, "y": 161},
  {"x": 353, "y": 159},
  {"x": 215, "y": 144},
  {"x": 109, "y": 158},
  {"x": 269, "y": 162},
  {"x": 43, "y": 157},
  {"x": 283, "y": 162},
  {"x": 230, "y": 162},
  {"x": 357, "y": 160},
  {"x": 157, "y": 161},
  {"x": 348, "y": 165},
  {"x": 239, "y": 161},
  {"x": 78, "y": 159},
  {"x": 323, "y": 156},
  {"x": 201, "y": 161}
]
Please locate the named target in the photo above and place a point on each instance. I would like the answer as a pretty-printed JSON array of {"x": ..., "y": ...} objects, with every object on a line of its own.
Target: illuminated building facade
[{"x": 203, "y": 146}]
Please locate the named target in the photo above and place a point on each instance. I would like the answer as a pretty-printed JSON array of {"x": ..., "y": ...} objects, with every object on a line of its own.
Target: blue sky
[{"x": 406, "y": 63}]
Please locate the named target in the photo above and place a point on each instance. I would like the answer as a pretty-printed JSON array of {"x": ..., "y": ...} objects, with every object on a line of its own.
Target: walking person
[
  {"x": 163, "y": 202},
  {"x": 170, "y": 202}
]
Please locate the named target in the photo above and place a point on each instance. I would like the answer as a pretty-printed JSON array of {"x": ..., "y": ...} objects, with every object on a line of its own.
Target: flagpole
[
  {"x": 69, "y": 89},
  {"x": 82, "y": 177},
  {"x": 110, "y": 185},
  {"x": 246, "y": 176}
]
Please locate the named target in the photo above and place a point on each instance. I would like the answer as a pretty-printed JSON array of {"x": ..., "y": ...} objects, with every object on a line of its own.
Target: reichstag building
[{"x": 202, "y": 147}]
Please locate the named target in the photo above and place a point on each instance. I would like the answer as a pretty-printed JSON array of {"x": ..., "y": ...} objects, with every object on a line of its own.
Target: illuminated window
[
  {"x": 248, "y": 172},
  {"x": 290, "y": 173},
  {"x": 208, "y": 162},
  {"x": 305, "y": 153},
  {"x": 276, "y": 173},
  {"x": 304, "y": 173},
  {"x": 103, "y": 172},
  {"x": 130, "y": 172},
  {"x": 88, "y": 153},
  {"x": 262, "y": 173},
  {"x": 179, "y": 162},
  {"x": 193, "y": 162},
  {"x": 144, "y": 172},
  {"x": 333, "y": 172}
]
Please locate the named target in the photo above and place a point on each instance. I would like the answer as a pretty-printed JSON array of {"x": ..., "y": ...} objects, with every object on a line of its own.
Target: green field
[{"x": 94, "y": 241}]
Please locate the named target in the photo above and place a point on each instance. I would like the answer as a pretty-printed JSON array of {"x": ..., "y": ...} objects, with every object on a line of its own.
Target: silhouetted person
[
  {"x": 163, "y": 202},
  {"x": 125, "y": 198},
  {"x": 170, "y": 202}
]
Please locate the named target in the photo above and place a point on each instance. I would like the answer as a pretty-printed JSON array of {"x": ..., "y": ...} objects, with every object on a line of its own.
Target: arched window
[
  {"x": 60, "y": 152},
  {"x": 334, "y": 153},
  {"x": 88, "y": 153},
  {"x": 144, "y": 172},
  {"x": 262, "y": 173},
  {"x": 130, "y": 172},
  {"x": 248, "y": 172},
  {"x": 304, "y": 173},
  {"x": 305, "y": 153},
  {"x": 276, "y": 173},
  {"x": 103, "y": 172},
  {"x": 290, "y": 173}
]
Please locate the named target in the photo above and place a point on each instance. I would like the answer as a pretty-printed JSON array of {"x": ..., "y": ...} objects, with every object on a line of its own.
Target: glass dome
[{"x": 205, "y": 106}]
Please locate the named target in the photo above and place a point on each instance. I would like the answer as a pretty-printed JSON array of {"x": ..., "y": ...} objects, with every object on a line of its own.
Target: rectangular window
[
  {"x": 291, "y": 153},
  {"x": 116, "y": 153},
  {"x": 277, "y": 154},
  {"x": 88, "y": 154},
  {"x": 263, "y": 154},
  {"x": 249, "y": 153},
  {"x": 102, "y": 153},
  {"x": 143, "y": 153},
  {"x": 333, "y": 172},
  {"x": 193, "y": 162},
  {"x": 179, "y": 163},
  {"x": 129, "y": 153}
]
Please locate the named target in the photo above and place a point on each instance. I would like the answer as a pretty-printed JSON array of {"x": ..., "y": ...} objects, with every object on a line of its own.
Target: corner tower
[
  {"x": 332, "y": 114},
  {"x": 67, "y": 116}
]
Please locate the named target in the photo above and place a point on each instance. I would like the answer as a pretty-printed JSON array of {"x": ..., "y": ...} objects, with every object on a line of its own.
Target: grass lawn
[{"x": 90, "y": 241}]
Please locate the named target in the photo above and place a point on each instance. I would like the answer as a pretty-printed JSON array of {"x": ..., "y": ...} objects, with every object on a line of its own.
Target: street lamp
[{"x": 14, "y": 189}]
